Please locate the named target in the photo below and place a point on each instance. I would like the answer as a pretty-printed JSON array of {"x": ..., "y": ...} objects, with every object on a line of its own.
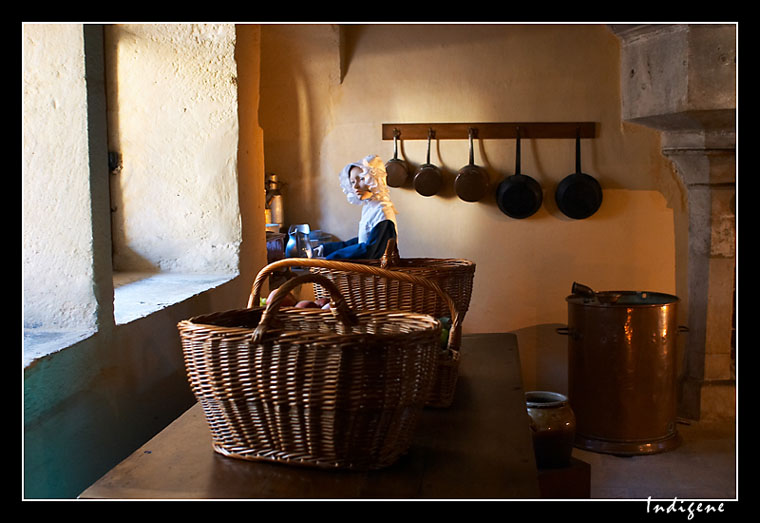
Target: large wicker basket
[
  {"x": 366, "y": 287},
  {"x": 323, "y": 388}
]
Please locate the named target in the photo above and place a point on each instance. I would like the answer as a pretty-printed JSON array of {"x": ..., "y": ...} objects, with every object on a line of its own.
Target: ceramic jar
[{"x": 552, "y": 424}]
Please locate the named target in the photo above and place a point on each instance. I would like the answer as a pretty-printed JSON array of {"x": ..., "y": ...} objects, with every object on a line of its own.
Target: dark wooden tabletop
[{"x": 479, "y": 448}]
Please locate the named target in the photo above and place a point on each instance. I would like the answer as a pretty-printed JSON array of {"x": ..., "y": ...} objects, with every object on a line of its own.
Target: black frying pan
[
  {"x": 578, "y": 195},
  {"x": 519, "y": 196},
  {"x": 396, "y": 170}
]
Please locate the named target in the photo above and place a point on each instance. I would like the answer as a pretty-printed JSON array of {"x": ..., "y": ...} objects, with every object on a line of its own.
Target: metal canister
[
  {"x": 622, "y": 374},
  {"x": 274, "y": 199}
]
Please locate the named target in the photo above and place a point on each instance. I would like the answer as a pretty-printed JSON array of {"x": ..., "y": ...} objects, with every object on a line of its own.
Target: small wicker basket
[
  {"x": 365, "y": 286},
  {"x": 323, "y": 388},
  {"x": 363, "y": 291}
]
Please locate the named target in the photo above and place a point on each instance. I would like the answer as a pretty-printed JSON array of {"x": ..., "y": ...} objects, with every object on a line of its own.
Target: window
[
  {"x": 175, "y": 227},
  {"x": 172, "y": 120}
]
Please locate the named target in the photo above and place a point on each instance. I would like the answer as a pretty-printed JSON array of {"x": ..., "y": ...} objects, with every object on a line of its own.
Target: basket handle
[
  {"x": 455, "y": 332},
  {"x": 341, "y": 308},
  {"x": 390, "y": 256}
]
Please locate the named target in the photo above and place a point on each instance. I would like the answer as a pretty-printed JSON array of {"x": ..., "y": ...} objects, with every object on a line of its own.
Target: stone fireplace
[{"x": 681, "y": 80}]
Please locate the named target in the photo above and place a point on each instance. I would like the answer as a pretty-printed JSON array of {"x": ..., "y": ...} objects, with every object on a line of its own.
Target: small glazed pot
[{"x": 552, "y": 424}]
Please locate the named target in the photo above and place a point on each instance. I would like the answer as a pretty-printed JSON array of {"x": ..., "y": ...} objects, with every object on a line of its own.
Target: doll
[{"x": 364, "y": 184}]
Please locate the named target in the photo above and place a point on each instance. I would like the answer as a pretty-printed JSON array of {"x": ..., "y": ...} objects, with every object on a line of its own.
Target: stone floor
[{"x": 703, "y": 467}]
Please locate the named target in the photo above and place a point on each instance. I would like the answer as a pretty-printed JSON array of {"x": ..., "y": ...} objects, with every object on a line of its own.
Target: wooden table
[{"x": 479, "y": 448}]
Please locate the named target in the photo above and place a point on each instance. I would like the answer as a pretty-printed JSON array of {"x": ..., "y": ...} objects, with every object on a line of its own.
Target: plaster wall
[
  {"x": 57, "y": 224},
  {"x": 172, "y": 99},
  {"x": 326, "y": 91}
]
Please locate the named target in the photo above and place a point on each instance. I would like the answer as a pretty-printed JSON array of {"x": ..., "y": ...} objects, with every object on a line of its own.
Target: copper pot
[{"x": 622, "y": 370}]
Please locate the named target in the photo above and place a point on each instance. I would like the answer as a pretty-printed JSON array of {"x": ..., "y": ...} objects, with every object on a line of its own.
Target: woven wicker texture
[
  {"x": 324, "y": 388},
  {"x": 409, "y": 285},
  {"x": 363, "y": 291}
]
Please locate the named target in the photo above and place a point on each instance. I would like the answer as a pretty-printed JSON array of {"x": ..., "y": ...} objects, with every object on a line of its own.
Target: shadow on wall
[
  {"x": 292, "y": 133},
  {"x": 543, "y": 357}
]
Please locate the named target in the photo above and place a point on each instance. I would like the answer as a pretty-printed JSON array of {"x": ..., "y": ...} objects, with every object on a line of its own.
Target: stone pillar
[
  {"x": 708, "y": 172},
  {"x": 681, "y": 80}
]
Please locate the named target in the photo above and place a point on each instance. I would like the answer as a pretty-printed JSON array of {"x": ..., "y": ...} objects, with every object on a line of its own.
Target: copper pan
[
  {"x": 428, "y": 179},
  {"x": 396, "y": 169},
  {"x": 471, "y": 182}
]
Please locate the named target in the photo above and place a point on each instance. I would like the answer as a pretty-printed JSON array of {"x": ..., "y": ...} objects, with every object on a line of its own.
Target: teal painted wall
[{"x": 91, "y": 405}]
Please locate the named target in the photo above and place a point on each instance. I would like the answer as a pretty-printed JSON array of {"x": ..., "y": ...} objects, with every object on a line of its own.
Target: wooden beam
[{"x": 489, "y": 130}]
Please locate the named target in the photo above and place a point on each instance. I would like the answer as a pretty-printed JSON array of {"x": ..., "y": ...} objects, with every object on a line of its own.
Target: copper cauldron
[{"x": 622, "y": 370}]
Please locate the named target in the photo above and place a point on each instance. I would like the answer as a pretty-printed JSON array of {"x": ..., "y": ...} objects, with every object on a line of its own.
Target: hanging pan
[
  {"x": 428, "y": 179},
  {"x": 578, "y": 195},
  {"x": 519, "y": 196},
  {"x": 471, "y": 182},
  {"x": 396, "y": 168}
]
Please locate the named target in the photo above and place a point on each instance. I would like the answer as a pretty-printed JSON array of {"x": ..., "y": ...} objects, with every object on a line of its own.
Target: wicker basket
[
  {"x": 322, "y": 388},
  {"x": 365, "y": 287},
  {"x": 363, "y": 291}
]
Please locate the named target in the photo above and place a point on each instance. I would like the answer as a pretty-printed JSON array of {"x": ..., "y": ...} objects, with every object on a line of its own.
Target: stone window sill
[
  {"x": 40, "y": 342},
  {"x": 136, "y": 295}
]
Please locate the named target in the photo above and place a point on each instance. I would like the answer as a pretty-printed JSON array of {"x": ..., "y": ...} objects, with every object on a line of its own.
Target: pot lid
[{"x": 623, "y": 299}]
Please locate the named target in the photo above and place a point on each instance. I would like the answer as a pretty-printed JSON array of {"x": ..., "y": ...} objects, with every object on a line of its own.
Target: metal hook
[
  {"x": 431, "y": 134},
  {"x": 471, "y": 132},
  {"x": 517, "y": 150}
]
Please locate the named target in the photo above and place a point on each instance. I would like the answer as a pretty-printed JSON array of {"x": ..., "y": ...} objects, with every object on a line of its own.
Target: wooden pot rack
[{"x": 488, "y": 130}]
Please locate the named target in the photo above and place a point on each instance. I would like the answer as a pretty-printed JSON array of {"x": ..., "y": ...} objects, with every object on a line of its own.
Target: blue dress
[{"x": 372, "y": 249}]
